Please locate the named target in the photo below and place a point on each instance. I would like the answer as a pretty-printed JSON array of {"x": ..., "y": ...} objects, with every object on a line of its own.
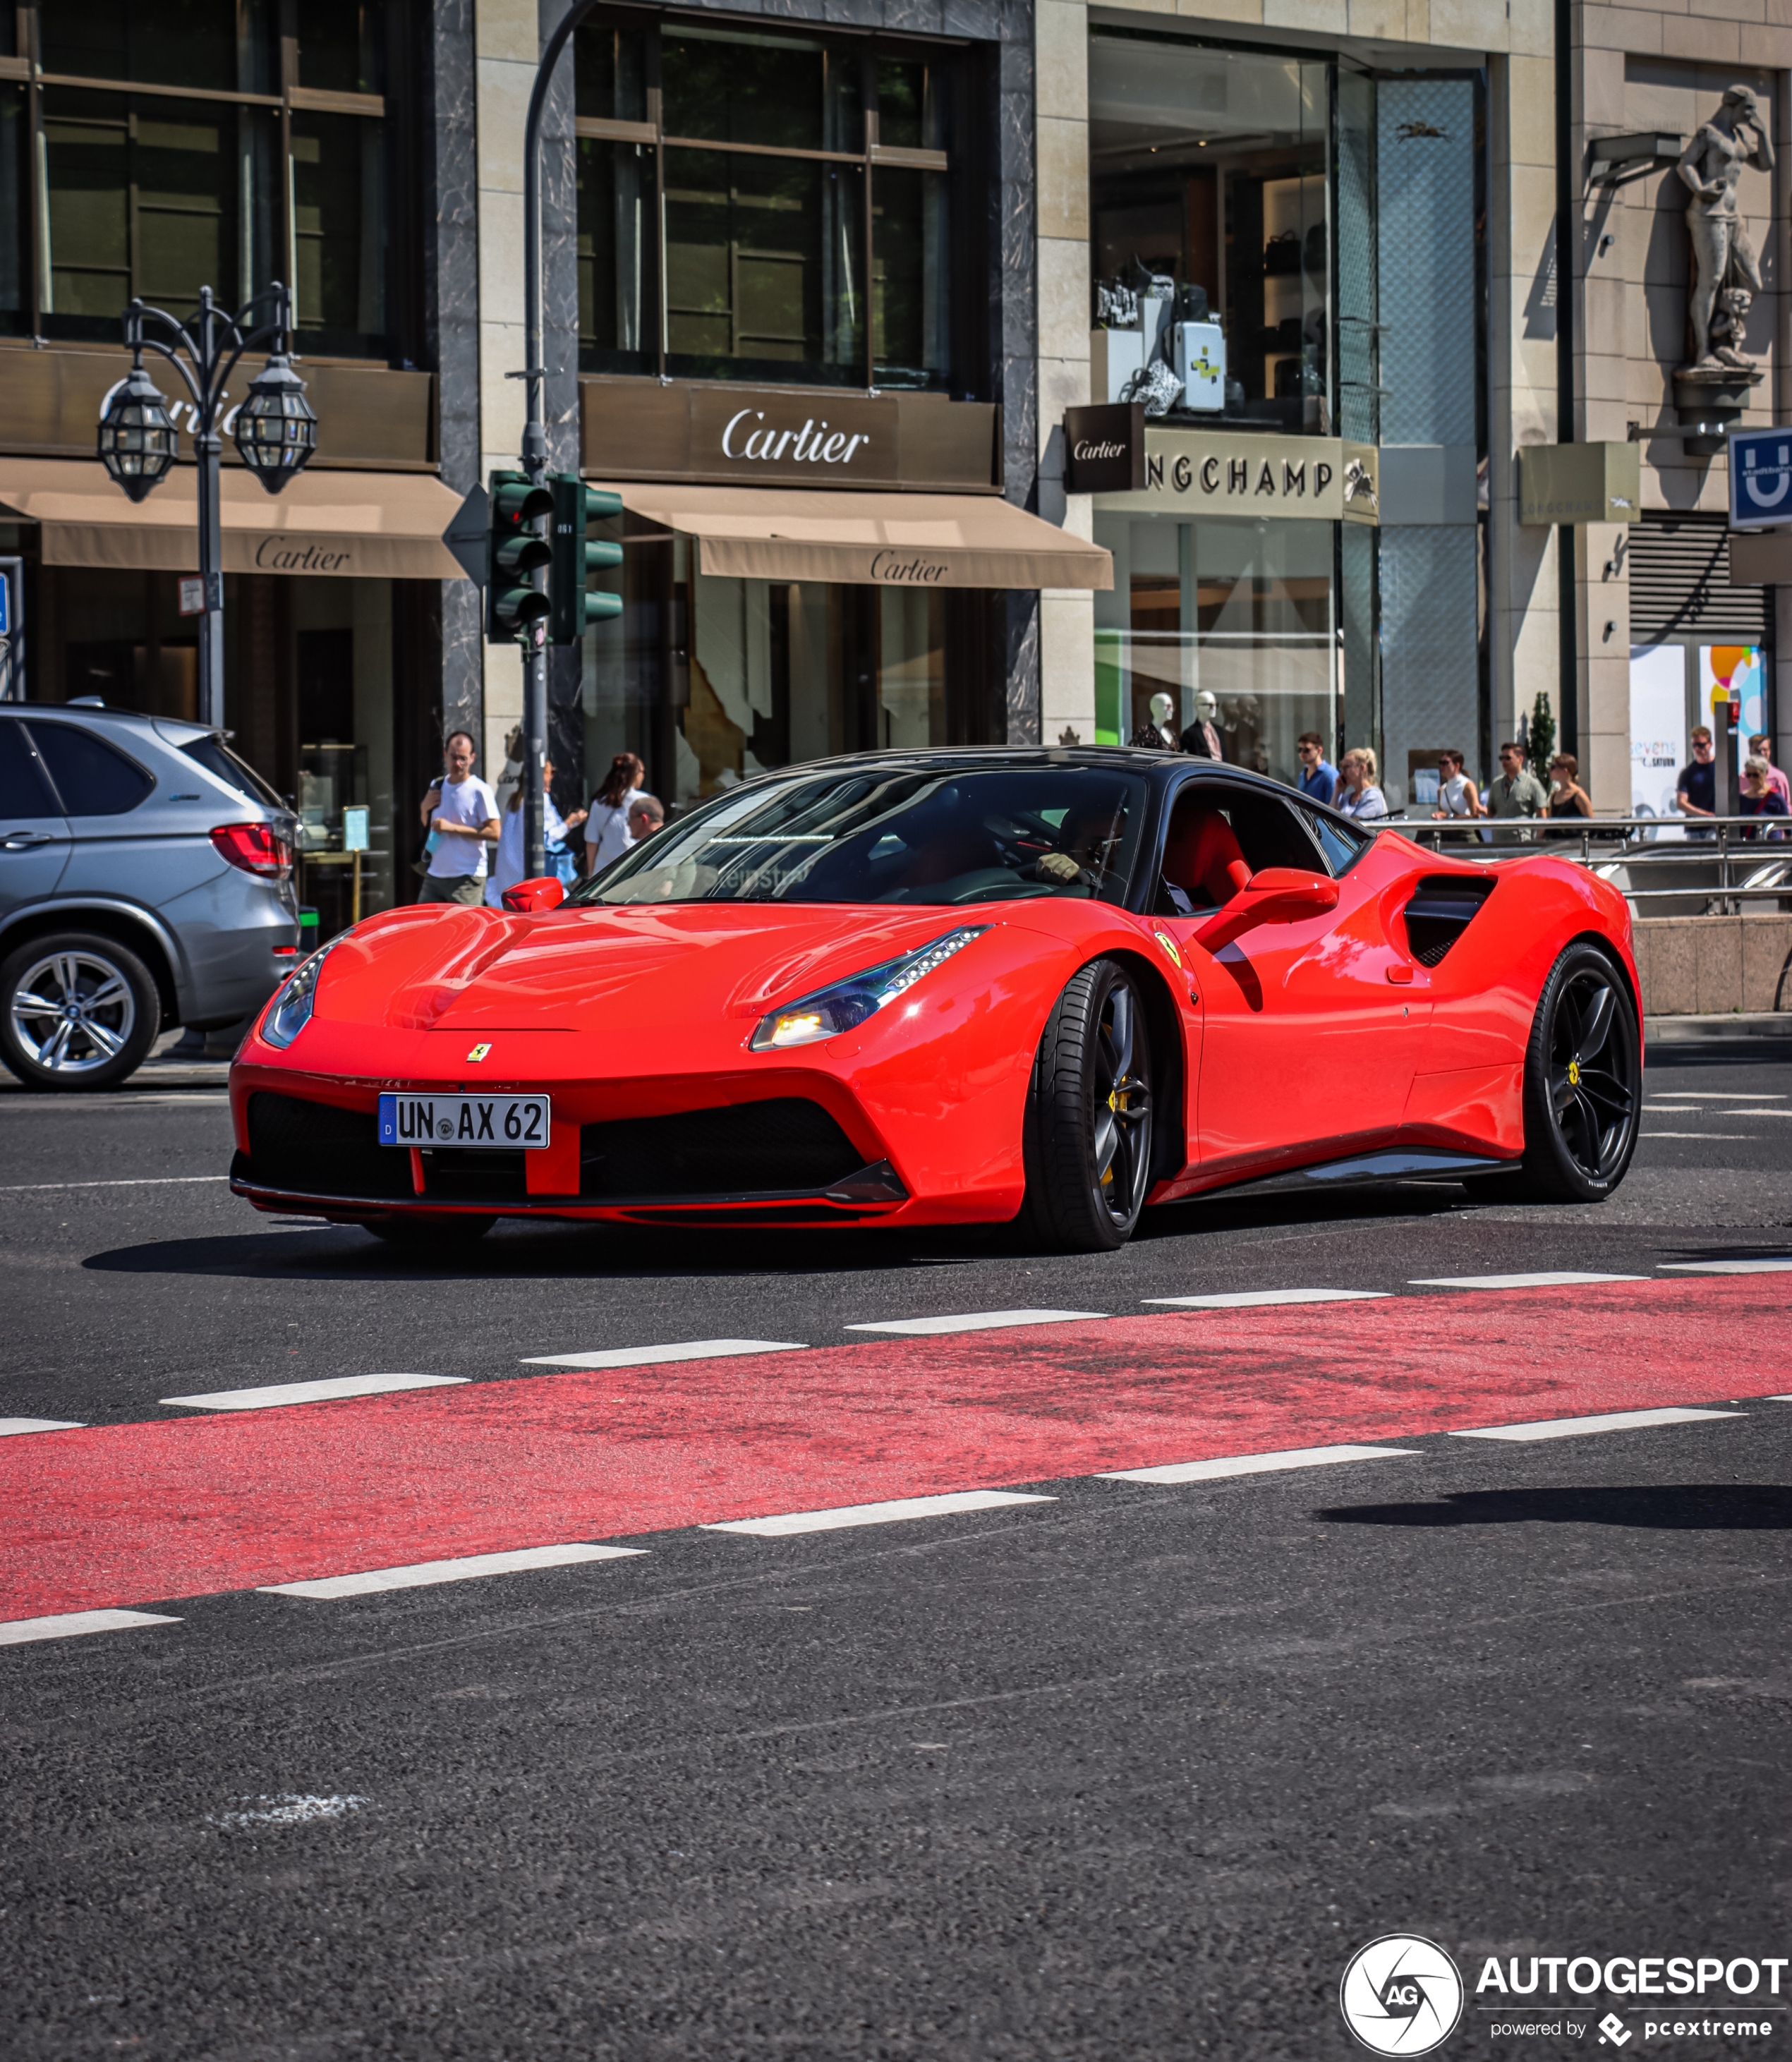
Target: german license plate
[{"x": 495, "y": 1123}]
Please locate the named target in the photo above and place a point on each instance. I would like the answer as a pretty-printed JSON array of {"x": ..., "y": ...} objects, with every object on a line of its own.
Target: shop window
[
  {"x": 784, "y": 203},
  {"x": 1210, "y": 182},
  {"x": 236, "y": 186},
  {"x": 1241, "y": 611}
]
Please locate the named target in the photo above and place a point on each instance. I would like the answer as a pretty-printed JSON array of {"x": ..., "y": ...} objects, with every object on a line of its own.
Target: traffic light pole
[{"x": 535, "y": 438}]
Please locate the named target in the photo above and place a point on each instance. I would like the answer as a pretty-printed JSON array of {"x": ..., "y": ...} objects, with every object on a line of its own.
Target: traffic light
[
  {"x": 515, "y": 548},
  {"x": 576, "y": 558}
]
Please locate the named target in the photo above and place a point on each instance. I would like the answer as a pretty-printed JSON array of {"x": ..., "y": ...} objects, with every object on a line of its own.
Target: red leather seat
[{"x": 1202, "y": 856}]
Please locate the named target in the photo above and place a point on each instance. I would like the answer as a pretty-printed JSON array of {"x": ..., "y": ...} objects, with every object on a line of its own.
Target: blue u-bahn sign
[{"x": 1760, "y": 478}]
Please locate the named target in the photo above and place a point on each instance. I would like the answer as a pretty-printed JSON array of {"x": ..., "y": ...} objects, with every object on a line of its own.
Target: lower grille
[
  {"x": 315, "y": 1149},
  {"x": 788, "y": 1145},
  {"x": 475, "y": 1177}
]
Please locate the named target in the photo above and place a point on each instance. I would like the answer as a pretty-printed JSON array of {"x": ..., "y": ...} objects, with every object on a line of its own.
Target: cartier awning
[
  {"x": 373, "y": 525},
  {"x": 919, "y": 540}
]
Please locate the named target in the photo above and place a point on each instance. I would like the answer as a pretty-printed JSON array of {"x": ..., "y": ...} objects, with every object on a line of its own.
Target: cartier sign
[
  {"x": 710, "y": 434},
  {"x": 1104, "y": 448}
]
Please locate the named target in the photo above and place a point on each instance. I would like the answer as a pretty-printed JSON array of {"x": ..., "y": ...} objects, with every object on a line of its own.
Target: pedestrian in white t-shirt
[
  {"x": 463, "y": 811},
  {"x": 606, "y": 828},
  {"x": 1456, "y": 792}
]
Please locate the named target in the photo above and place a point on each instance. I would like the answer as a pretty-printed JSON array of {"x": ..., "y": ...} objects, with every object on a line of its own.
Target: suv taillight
[{"x": 255, "y": 849}]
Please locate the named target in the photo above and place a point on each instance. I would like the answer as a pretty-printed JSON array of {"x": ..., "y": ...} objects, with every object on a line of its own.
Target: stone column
[{"x": 1067, "y": 617}]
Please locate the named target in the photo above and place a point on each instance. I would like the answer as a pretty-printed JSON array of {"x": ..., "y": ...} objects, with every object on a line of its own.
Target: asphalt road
[{"x": 1128, "y": 1769}]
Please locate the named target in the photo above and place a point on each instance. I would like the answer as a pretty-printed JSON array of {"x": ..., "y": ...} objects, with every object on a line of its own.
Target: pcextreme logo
[{"x": 1401, "y": 1995}]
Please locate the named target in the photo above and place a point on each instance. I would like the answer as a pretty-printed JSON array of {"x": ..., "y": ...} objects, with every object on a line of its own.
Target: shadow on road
[{"x": 1662, "y": 1507}]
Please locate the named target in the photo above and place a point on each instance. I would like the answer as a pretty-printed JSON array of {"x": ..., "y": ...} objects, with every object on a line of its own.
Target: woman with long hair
[
  {"x": 606, "y": 830},
  {"x": 507, "y": 868}
]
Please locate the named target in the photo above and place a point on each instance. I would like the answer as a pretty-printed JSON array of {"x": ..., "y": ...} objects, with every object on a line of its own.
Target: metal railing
[{"x": 1711, "y": 851}]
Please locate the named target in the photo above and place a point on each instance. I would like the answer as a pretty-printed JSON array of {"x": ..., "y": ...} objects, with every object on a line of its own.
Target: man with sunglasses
[
  {"x": 1696, "y": 791},
  {"x": 1319, "y": 778}
]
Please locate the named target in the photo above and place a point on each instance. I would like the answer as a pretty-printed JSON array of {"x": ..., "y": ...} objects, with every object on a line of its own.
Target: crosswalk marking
[
  {"x": 1554, "y": 1278},
  {"x": 1247, "y": 1299},
  {"x": 1608, "y": 1421},
  {"x": 651, "y": 1356},
  {"x": 1256, "y": 1464},
  {"x": 1781, "y": 1266},
  {"x": 71, "y": 1625},
  {"x": 327, "y": 1391},
  {"x": 10, "y": 1428},
  {"x": 981, "y": 1321},
  {"x": 891, "y": 1513},
  {"x": 467, "y": 1568}
]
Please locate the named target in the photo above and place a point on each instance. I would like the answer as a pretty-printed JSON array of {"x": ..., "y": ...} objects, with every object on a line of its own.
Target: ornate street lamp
[{"x": 274, "y": 428}]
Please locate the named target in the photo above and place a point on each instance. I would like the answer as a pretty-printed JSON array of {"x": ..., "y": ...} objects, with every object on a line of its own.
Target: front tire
[
  {"x": 1583, "y": 1081},
  {"x": 77, "y": 1010},
  {"x": 1088, "y": 1137}
]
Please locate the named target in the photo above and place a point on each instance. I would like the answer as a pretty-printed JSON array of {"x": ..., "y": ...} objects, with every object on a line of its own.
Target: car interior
[{"x": 1219, "y": 837}]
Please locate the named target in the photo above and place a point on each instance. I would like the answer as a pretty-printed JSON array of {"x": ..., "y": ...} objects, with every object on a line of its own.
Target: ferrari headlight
[
  {"x": 845, "y": 1004},
  {"x": 290, "y": 1010}
]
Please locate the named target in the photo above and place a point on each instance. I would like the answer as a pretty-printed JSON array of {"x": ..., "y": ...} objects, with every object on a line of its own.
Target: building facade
[{"x": 1423, "y": 443}]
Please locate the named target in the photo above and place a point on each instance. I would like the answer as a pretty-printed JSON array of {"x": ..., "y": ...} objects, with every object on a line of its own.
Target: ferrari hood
[{"x": 600, "y": 969}]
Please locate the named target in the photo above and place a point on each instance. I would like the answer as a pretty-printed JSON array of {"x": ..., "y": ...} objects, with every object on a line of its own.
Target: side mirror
[
  {"x": 543, "y": 892},
  {"x": 1278, "y": 895}
]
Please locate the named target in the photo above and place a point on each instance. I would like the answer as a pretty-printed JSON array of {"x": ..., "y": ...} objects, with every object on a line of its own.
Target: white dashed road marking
[
  {"x": 1610, "y": 1421},
  {"x": 1712, "y": 1095},
  {"x": 649, "y": 1356},
  {"x": 875, "y": 1513},
  {"x": 1558, "y": 1278},
  {"x": 1715, "y": 1137},
  {"x": 469, "y": 1568},
  {"x": 11, "y": 1427},
  {"x": 147, "y": 1182},
  {"x": 1726, "y": 1267},
  {"x": 71, "y": 1625},
  {"x": 982, "y": 1320},
  {"x": 1256, "y": 1464},
  {"x": 313, "y": 1392},
  {"x": 1246, "y": 1299}
]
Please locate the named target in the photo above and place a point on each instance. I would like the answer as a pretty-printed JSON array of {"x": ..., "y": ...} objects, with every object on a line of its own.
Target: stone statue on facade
[{"x": 1726, "y": 268}]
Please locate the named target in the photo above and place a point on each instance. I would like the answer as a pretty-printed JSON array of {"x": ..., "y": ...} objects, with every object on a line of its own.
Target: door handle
[{"x": 22, "y": 841}]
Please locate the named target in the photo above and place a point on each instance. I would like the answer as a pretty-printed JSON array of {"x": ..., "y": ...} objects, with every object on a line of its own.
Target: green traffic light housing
[
  {"x": 576, "y": 557},
  {"x": 515, "y": 550}
]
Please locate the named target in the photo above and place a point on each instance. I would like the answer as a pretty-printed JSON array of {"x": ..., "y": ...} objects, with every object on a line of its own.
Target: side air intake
[{"x": 1442, "y": 907}]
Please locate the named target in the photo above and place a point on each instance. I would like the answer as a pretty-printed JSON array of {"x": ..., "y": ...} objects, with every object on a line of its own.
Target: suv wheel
[{"x": 77, "y": 1011}]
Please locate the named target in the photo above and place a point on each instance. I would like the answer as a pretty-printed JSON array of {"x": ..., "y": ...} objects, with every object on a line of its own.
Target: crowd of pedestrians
[{"x": 473, "y": 849}]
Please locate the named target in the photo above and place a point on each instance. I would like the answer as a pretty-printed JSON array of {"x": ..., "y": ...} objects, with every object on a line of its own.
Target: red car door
[{"x": 1308, "y": 1048}]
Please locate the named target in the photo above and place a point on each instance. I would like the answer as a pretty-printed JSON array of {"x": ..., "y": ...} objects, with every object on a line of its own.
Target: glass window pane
[
  {"x": 93, "y": 779},
  {"x": 88, "y": 209},
  {"x": 218, "y": 44},
  {"x": 911, "y": 275},
  {"x": 186, "y": 195},
  {"x": 912, "y": 109},
  {"x": 783, "y": 91},
  {"x": 763, "y": 266},
  {"x": 611, "y": 75},
  {"x": 341, "y": 45},
  {"x": 15, "y": 242},
  {"x": 1210, "y": 192},
  {"x": 616, "y": 256},
  {"x": 339, "y": 215}
]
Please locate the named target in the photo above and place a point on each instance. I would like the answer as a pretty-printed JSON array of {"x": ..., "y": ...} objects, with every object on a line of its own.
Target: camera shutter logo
[{"x": 1401, "y": 1995}]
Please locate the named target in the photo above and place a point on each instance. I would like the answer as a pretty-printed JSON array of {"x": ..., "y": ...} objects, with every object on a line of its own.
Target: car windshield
[{"x": 930, "y": 835}]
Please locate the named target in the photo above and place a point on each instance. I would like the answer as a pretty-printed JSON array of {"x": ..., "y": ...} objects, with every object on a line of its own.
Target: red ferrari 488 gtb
[{"x": 933, "y": 988}]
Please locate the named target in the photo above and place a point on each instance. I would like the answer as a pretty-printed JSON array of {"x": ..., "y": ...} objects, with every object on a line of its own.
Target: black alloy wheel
[
  {"x": 1088, "y": 1137},
  {"x": 1583, "y": 1079}
]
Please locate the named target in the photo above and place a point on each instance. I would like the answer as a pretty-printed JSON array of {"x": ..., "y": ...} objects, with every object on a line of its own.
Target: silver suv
[{"x": 145, "y": 880}]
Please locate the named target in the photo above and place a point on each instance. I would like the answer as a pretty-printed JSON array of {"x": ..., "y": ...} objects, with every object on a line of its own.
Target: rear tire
[
  {"x": 77, "y": 1010},
  {"x": 1088, "y": 1127},
  {"x": 443, "y": 1231},
  {"x": 1583, "y": 1082}
]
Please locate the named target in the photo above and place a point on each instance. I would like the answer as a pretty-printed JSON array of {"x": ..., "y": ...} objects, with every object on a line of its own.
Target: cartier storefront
[{"x": 805, "y": 572}]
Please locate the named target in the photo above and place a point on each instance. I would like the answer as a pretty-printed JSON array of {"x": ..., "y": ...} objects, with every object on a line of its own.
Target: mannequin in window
[{"x": 1202, "y": 737}]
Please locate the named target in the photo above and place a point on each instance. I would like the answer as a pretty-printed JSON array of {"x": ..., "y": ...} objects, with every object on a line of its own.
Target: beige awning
[
  {"x": 918, "y": 540},
  {"x": 374, "y": 525}
]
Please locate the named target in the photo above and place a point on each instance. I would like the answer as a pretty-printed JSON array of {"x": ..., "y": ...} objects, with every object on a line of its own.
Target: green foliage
[{"x": 1542, "y": 738}]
